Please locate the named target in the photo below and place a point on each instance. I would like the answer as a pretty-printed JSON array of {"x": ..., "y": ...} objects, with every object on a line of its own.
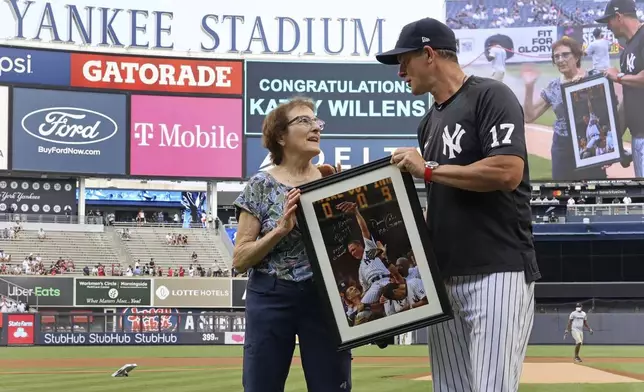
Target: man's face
[
  {"x": 356, "y": 250},
  {"x": 400, "y": 293},
  {"x": 617, "y": 26},
  {"x": 352, "y": 293},
  {"x": 416, "y": 69},
  {"x": 403, "y": 266}
]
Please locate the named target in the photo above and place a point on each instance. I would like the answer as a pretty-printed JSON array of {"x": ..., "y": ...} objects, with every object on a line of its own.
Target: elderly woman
[
  {"x": 281, "y": 300},
  {"x": 566, "y": 56}
]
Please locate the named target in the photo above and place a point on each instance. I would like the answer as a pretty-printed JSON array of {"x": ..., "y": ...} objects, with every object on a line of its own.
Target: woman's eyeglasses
[
  {"x": 307, "y": 121},
  {"x": 561, "y": 56}
]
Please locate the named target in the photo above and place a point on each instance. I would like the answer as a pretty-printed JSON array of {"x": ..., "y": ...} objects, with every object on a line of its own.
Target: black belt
[{"x": 377, "y": 278}]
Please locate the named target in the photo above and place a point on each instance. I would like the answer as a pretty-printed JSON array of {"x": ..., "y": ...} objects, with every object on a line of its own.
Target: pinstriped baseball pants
[{"x": 482, "y": 349}]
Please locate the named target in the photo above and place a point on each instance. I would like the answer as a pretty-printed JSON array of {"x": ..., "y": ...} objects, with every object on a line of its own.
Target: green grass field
[{"x": 218, "y": 368}]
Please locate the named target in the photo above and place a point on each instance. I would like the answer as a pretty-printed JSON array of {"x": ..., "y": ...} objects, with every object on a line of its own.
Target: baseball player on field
[
  {"x": 373, "y": 274},
  {"x": 592, "y": 127},
  {"x": 474, "y": 162},
  {"x": 576, "y": 323}
]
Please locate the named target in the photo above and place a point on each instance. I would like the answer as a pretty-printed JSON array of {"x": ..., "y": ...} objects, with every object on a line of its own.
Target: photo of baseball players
[
  {"x": 590, "y": 110},
  {"x": 370, "y": 253}
]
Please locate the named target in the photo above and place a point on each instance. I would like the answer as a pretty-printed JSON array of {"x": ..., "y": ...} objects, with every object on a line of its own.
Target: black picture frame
[
  {"x": 599, "y": 144},
  {"x": 331, "y": 248}
]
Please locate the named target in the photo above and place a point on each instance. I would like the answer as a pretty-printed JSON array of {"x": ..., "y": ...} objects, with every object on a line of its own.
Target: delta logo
[{"x": 156, "y": 74}]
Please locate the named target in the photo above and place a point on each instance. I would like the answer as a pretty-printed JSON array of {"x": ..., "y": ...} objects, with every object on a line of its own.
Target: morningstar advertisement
[
  {"x": 186, "y": 137},
  {"x": 523, "y": 44},
  {"x": 128, "y": 339},
  {"x": 348, "y": 152},
  {"x": 354, "y": 100},
  {"x": 75, "y": 132}
]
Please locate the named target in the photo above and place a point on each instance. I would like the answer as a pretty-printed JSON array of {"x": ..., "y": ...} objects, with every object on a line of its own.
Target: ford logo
[{"x": 69, "y": 125}]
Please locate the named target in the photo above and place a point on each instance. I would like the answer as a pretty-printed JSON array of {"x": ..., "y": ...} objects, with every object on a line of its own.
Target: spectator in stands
[
  {"x": 125, "y": 234},
  {"x": 266, "y": 213},
  {"x": 4, "y": 305},
  {"x": 129, "y": 271},
  {"x": 86, "y": 271},
  {"x": 194, "y": 256},
  {"x": 170, "y": 271},
  {"x": 191, "y": 271},
  {"x": 599, "y": 51},
  {"x": 41, "y": 234},
  {"x": 566, "y": 55},
  {"x": 182, "y": 272}
]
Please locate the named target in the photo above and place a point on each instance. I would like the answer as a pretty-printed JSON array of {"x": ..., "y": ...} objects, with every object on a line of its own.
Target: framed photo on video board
[
  {"x": 591, "y": 108},
  {"x": 373, "y": 262}
]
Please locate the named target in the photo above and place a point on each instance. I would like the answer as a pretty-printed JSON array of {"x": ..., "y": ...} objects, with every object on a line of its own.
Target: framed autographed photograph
[
  {"x": 372, "y": 259},
  {"x": 591, "y": 109}
]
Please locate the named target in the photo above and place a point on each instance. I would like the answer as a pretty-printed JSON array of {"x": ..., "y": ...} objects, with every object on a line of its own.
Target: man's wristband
[{"x": 428, "y": 174}]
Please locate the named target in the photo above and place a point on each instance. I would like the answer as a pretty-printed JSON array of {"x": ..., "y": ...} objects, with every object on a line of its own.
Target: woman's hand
[
  {"x": 287, "y": 222},
  {"x": 328, "y": 170},
  {"x": 529, "y": 74}
]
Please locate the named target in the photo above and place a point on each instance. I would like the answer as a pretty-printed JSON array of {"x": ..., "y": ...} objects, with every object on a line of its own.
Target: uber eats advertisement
[{"x": 39, "y": 291}]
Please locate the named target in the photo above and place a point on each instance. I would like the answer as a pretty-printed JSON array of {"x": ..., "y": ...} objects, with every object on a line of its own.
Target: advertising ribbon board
[
  {"x": 193, "y": 293},
  {"x": 202, "y": 135},
  {"x": 26, "y": 195},
  {"x": 40, "y": 291},
  {"x": 348, "y": 152},
  {"x": 354, "y": 100},
  {"x": 59, "y": 131},
  {"x": 239, "y": 293},
  {"x": 112, "y": 292},
  {"x": 156, "y": 74},
  {"x": 20, "y": 329},
  {"x": 522, "y": 44},
  {"x": 33, "y": 66},
  {"x": 129, "y": 339},
  {"x": 4, "y": 127}
]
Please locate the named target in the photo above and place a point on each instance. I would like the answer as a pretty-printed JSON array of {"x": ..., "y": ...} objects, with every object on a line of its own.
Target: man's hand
[
  {"x": 590, "y": 330},
  {"x": 409, "y": 159},
  {"x": 565, "y": 335},
  {"x": 611, "y": 73}
]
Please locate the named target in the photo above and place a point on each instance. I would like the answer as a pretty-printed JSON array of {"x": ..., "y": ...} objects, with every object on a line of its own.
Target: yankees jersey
[
  {"x": 578, "y": 319},
  {"x": 478, "y": 232},
  {"x": 415, "y": 292},
  {"x": 631, "y": 62},
  {"x": 413, "y": 273},
  {"x": 370, "y": 270},
  {"x": 592, "y": 130}
]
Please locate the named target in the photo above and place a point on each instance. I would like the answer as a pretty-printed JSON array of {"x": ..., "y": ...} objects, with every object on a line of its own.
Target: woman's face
[
  {"x": 564, "y": 59},
  {"x": 303, "y": 134}
]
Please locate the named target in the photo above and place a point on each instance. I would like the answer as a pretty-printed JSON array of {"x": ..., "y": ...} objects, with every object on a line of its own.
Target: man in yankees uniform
[
  {"x": 406, "y": 269},
  {"x": 576, "y": 323},
  {"x": 592, "y": 127},
  {"x": 373, "y": 274},
  {"x": 621, "y": 17},
  {"x": 399, "y": 297},
  {"x": 475, "y": 167}
]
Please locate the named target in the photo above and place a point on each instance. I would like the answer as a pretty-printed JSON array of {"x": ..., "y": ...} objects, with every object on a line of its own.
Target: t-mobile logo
[{"x": 176, "y": 137}]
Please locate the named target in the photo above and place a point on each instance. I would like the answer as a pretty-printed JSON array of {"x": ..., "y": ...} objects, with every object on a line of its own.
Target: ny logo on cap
[{"x": 425, "y": 39}]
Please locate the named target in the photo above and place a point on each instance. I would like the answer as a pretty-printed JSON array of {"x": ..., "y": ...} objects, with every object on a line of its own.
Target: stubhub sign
[
  {"x": 34, "y": 66},
  {"x": 348, "y": 152}
]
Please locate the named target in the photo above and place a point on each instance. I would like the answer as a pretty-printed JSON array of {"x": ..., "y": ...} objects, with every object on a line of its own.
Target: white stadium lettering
[{"x": 162, "y": 74}]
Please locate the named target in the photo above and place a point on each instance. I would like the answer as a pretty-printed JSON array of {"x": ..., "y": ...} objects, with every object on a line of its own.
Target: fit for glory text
[{"x": 541, "y": 44}]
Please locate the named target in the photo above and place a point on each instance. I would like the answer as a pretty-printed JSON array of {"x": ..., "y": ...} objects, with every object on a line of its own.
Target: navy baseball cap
[
  {"x": 416, "y": 35},
  {"x": 617, "y": 6}
]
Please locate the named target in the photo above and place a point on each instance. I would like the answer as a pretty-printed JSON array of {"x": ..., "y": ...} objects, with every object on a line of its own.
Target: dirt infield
[{"x": 558, "y": 370}]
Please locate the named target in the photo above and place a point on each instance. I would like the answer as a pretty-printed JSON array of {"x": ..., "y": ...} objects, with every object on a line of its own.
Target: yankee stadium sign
[{"x": 333, "y": 28}]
